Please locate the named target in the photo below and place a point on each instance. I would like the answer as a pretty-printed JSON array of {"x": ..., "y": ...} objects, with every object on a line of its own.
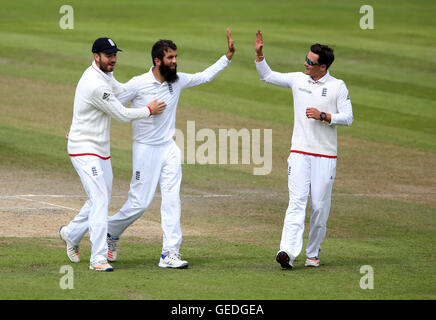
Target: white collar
[{"x": 322, "y": 80}]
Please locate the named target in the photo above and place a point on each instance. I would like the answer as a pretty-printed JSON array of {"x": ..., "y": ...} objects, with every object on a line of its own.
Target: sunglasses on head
[{"x": 311, "y": 63}]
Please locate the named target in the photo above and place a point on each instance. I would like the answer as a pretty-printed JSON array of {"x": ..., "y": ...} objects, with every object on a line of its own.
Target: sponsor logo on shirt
[
  {"x": 305, "y": 90},
  {"x": 106, "y": 96}
]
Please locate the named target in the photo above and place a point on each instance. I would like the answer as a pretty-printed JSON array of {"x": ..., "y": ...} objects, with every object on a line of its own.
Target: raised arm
[
  {"x": 207, "y": 75},
  {"x": 265, "y": 72}
]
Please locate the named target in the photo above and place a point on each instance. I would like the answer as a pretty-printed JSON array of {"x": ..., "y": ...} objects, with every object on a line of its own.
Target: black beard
[
  {"x": 169, "y": 74},
  {"x": 105, "y": 70}
]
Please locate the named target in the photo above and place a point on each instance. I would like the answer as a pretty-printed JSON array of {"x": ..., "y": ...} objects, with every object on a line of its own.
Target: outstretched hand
[
  {"x": 258, "y": 45},
  {"x": 231, "y": 45}
]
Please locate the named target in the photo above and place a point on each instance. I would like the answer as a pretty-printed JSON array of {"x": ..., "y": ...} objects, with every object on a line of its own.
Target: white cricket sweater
[
  {"x": 328, "y": 94},
  {"x": 142, "y": 89},
  {"x": 94, "y": 105}
]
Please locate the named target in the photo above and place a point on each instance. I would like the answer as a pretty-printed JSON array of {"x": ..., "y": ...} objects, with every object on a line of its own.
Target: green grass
[
  {"x": 383, "y": 201},
  {"x": 219, "y": 270}
]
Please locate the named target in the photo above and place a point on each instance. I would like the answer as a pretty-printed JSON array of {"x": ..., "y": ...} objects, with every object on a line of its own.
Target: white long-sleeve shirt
[
  {"x": 142, "y": 89},
  {"x": 94, "y": 106},
  {"x": 328, "y": 94}
]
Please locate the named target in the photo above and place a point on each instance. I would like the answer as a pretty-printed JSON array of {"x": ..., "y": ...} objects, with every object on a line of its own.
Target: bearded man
[{"x": 156, "y": 157}]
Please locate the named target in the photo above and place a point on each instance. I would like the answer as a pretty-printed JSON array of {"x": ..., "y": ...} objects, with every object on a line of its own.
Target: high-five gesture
[
  {"x": 231, "y": 45},
  {"x": 258, "y": 46}
]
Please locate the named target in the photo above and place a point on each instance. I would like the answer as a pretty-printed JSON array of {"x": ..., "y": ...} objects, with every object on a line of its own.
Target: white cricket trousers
[
  {"x": 312, "y": 175},
  {"x": 96, "y": 176},
  {"x": 153, "y": 165}
]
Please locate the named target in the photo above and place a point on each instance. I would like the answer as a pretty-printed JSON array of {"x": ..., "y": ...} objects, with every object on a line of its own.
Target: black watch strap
[{"x": 323, "y": 116}]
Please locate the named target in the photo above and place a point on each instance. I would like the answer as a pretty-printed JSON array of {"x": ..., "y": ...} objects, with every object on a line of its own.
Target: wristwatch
[{"x": 323, "y": 116}]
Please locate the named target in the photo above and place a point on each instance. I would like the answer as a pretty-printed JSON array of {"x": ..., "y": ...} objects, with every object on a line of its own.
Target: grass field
[{"x": 384, "y": 198}]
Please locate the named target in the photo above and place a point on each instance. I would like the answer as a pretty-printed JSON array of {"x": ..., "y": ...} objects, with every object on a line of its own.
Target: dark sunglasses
[{"x": 311, "y": 63}]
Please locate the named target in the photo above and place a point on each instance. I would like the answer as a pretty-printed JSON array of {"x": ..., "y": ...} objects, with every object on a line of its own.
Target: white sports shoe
[
  {"x": 101, "y": 266},
  {"x": 73, "y": 252},
  {"x": 172, "y": 260},
  {"x": 112, "y": 244},
  {"x": 312, "y": 262}
]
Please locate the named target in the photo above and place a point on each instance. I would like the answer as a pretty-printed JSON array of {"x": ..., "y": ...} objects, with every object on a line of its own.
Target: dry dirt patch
[{"x": 38, "y": 207}]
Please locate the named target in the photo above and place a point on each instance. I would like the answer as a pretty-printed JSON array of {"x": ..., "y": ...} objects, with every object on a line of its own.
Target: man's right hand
[
  {"x": 258, "y": 46},
  {"x": 157, "y": 107}
]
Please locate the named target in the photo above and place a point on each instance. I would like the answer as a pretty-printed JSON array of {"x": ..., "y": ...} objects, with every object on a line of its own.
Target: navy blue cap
[{"x": 106, "y": 45}]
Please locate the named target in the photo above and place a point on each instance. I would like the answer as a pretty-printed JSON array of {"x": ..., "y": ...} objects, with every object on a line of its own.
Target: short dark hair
[
  {"x": 325, "y": 54},
  {"x": 159, "y": 48}
]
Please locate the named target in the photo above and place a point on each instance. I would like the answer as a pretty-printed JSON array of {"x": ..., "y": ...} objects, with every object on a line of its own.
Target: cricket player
[
  {"x": 156, "y": 157},
  {"x": 321, "y": 102},
  {"x": 89, "y": 149}
]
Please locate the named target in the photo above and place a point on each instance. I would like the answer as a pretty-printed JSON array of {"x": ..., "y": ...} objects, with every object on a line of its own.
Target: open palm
[{"x": 258, "y": 45}]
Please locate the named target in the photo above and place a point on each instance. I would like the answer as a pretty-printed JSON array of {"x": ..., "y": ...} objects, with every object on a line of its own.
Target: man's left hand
[{"x": 313, "y": 113}]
